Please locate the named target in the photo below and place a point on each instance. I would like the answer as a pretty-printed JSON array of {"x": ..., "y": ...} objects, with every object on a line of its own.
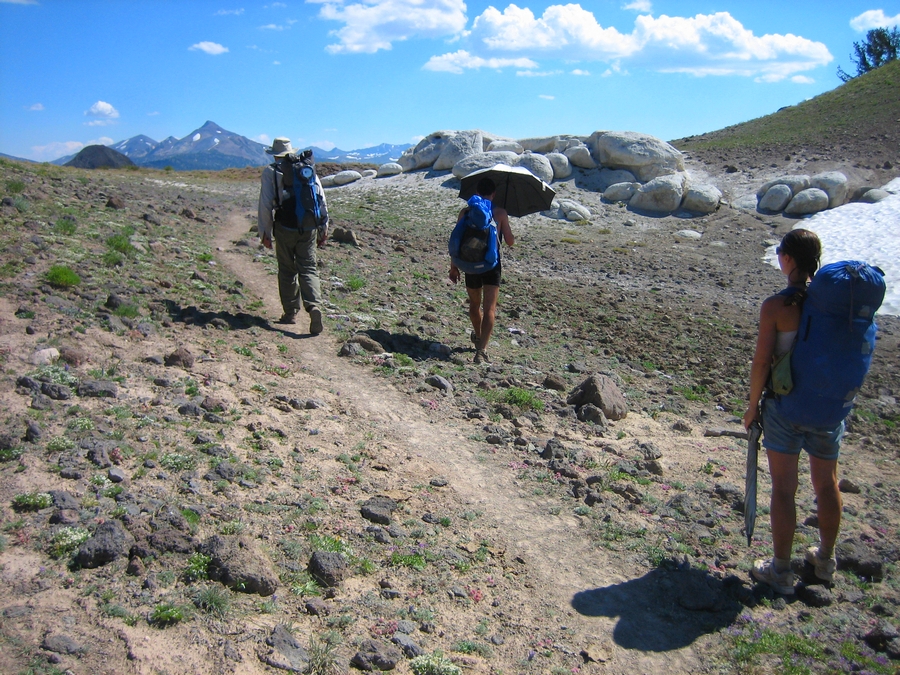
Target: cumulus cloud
[
  {"x": 644, "y": 6},
  {"x": 546, "y": 97},
  {"x": 103, "y": 113},
  {"x": 231, "y": 12},
  {"x": 377, "y": 24},
  {"x": 802, "y": 79},
  {"x": 36, "y": 107},
  {"x": 714, "y": 44},
  {"x": 462, "y": 60},
  {"x": 874, "y": 18},
  {"x": 212, "y": 48}
]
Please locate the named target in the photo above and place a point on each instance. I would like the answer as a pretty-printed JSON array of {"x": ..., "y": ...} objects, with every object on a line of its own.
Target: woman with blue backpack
[
  {"x": 478, "y": 232},
  {"x": 779, "y": 321},
  {"x": 814, "y": 348}
]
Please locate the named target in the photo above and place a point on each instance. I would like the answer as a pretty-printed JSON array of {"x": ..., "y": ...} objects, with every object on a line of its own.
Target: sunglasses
[{"x": 777, "y": 250}]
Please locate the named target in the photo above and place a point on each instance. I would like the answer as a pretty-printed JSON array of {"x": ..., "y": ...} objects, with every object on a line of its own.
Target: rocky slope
[{"x": 189, "y": 487}]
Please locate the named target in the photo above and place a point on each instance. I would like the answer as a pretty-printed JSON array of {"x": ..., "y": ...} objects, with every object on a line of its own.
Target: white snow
[
  {"x": 196, "y": 137},
  {"x": 869, "y": 232},
  {"x": 215, "y": 141}
]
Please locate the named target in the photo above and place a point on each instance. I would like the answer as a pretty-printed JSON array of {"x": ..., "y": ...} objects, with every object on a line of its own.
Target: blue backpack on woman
[
  {"x": 474, "y": 245},
  {"x": 835, "y": 343}
]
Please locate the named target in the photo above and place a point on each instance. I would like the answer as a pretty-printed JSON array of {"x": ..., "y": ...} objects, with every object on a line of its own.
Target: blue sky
[{"x": 355, "y": 73}]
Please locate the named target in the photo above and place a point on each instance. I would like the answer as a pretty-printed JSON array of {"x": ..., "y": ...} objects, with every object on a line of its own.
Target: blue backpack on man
[
  {"x": 474, "y": 244},
  {"x": 835, "y": 343}
]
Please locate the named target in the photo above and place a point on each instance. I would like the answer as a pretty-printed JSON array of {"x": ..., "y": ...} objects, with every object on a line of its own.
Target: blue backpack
[
  {"x": 474, "y": 245},
  {"x": 835, "y": 343},
  {"x": 299, "y": 178}
]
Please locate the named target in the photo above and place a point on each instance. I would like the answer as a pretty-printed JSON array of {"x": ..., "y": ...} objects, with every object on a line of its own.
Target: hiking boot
[
  {"x": 782, "y": 582},
  {"x": 289, "y": 317},
  {"x": 474, "y": 338},
  {"x": 824, "y": 567},
  {"x": 315, "y": 321},
  {"x": 481, "y": 356}
]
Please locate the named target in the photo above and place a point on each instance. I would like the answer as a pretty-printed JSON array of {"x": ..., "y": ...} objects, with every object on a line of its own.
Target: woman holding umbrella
[{"x": 484, "y": 289}]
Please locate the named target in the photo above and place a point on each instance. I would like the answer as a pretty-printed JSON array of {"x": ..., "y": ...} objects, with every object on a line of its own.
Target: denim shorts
[{"x": 781, "y": 435}]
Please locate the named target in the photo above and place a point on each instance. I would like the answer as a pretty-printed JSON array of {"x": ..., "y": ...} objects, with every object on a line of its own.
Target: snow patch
[{"x": 196, "y": 137}]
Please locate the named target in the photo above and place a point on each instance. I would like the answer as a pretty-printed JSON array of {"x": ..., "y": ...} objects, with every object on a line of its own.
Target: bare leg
[
  {"x": 828, "y": 501},
  {"x": 491, "y": 294},
  {"x": 475, "y": 310},
  {"x": 783, "y": 510}
]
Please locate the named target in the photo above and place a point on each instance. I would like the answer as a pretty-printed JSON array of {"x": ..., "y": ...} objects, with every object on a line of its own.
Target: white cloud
[
  {"x": 802, "y": 79},
  {"x": 640, "y": 6},
  {"x": 276, "y": 63},
  {"x": 377, "y": 24},
  {"x": 714, "y": 44},
  {"x": 153, "y": 114},
  {"x": 536, "y": 73},
  {"x": 546, "y": 97},
  {"x": 462, "y": 60},
  {"x": 263, "y": 138},
  {"x": 36, "y": 107},
  {"x": 20, "y": 2},
  {"x": 874, "y": 18},
  {"x": 211, "y": 48},
  {"x": 231, "y": 12},
  {"x": 51, "y": 151},
  {"x": 103, "y": 113},
  {"x": 325, "y": 145},
  {"x": 272, "y": 26},
  {"x": 579, "y": 71}
]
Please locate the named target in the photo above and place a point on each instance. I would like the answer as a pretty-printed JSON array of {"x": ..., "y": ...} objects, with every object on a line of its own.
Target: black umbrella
[
  {"x": 750, "y": 482},
  {"x": 519, "y": 191}
]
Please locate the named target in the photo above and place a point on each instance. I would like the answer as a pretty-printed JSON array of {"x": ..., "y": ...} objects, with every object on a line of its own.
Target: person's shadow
[{"x": 665, "y": 609}]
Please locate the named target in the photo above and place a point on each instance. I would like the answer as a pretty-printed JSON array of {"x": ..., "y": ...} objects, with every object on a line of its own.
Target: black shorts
[{"x": 489, "y": 278}]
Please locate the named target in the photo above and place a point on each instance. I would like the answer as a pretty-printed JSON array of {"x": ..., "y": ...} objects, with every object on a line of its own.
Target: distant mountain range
[{"x": 212, "y": 148}]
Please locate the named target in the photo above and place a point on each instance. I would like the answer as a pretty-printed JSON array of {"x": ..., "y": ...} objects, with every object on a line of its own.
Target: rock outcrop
[{"x": 628, "y": 160}]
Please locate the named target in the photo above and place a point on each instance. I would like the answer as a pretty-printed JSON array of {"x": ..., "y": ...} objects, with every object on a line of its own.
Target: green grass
[
  {"x": 166, "y": 614},
  {"x": 62, "y": 276},
  {"x": 32, "y": 501},
  {"x": 214, "y": 600},
  {"x": 865, "y": 102},
  {"x": 414, "y": 561},
  {"x": 355, "y": 283},
  {"x": 794, "y": 652}
]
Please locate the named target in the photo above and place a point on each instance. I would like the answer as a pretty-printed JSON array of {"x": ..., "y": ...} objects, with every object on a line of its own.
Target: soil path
[{"x": 613, "y": 610}]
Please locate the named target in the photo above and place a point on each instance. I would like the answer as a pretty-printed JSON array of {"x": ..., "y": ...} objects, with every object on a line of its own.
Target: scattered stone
[
  {"x": 815, "y": 595},
  {"x": 440, "y": 382},
  {"x": 847, "y": 486},
  {"x": 61, "y": 644},
  {"x": 284, "y": 652},
  {"x": 109, "y": 541},
  {"x": 378, "y": 510},
  {"x": 409, "y": 646},
  {"x": 238, "y": 564},
  {"x": 376, "y": 655},
  {"x": 329, "y": 568},
  {"x": 602, "y": 392},
  {"x": 98, "y": 389},
  {"x": 180, "y": 358}
]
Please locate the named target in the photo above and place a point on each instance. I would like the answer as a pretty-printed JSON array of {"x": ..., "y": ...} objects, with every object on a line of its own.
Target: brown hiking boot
[
  {"x": 315, "y": 321},
  {"x": 481, "y": 356},
  {"x": 289, "y": 317}
]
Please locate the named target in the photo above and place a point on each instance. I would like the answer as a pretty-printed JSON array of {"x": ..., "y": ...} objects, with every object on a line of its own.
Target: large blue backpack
[
  {"x": 301, "y": 210},
  {"x": 835, "y": 342},
  {"x": 474, "y": 245}
]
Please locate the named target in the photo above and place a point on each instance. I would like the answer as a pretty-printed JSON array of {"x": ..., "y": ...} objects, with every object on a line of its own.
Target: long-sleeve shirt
[{"x": 270, "y": 186}]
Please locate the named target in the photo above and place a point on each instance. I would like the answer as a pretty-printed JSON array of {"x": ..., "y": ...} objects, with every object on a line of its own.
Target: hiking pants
[{"x": 298, "y": 276}]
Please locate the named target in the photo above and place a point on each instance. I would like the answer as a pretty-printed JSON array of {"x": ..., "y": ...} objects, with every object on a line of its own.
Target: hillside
[
  {"x": 211, "y": 454},
  {"x": 856, "y": 124}
]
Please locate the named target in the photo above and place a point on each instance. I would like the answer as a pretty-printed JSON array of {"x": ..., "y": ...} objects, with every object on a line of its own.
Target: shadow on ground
[{"x": 664, "y": 610}]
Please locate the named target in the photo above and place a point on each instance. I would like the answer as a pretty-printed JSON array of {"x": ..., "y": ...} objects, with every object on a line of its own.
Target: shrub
[
  {"x": 121, "y": 244},
  {"x": 355, "y": 283},
  {"x": 176, "y": 461},
  {"x": 65, "y": 226},
  {"x": 213, "y": 600},
  {"x": 67, "y": 539},
  {"x": 166, "y": 614},
  {"x": 434, "y": 664},
  {"x": 9, "y": 454},
  {"x": 527, "y": 400},
  {"x": 32, "y": 501},
  {"x": 15, "y": 186},
  {"x": 62, "y": 276},
  {"x": 198, "y": 567}
]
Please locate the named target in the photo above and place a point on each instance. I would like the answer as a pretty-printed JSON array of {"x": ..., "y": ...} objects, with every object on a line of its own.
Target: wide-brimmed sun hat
[{"x": 280, "y": 147}]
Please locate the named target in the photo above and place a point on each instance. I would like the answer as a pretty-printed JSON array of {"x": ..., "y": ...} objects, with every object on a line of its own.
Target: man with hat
[{"x": 295, "y": 243}]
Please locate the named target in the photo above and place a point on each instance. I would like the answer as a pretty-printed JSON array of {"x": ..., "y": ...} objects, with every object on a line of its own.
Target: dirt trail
[{"x": 561, "y": 562}]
